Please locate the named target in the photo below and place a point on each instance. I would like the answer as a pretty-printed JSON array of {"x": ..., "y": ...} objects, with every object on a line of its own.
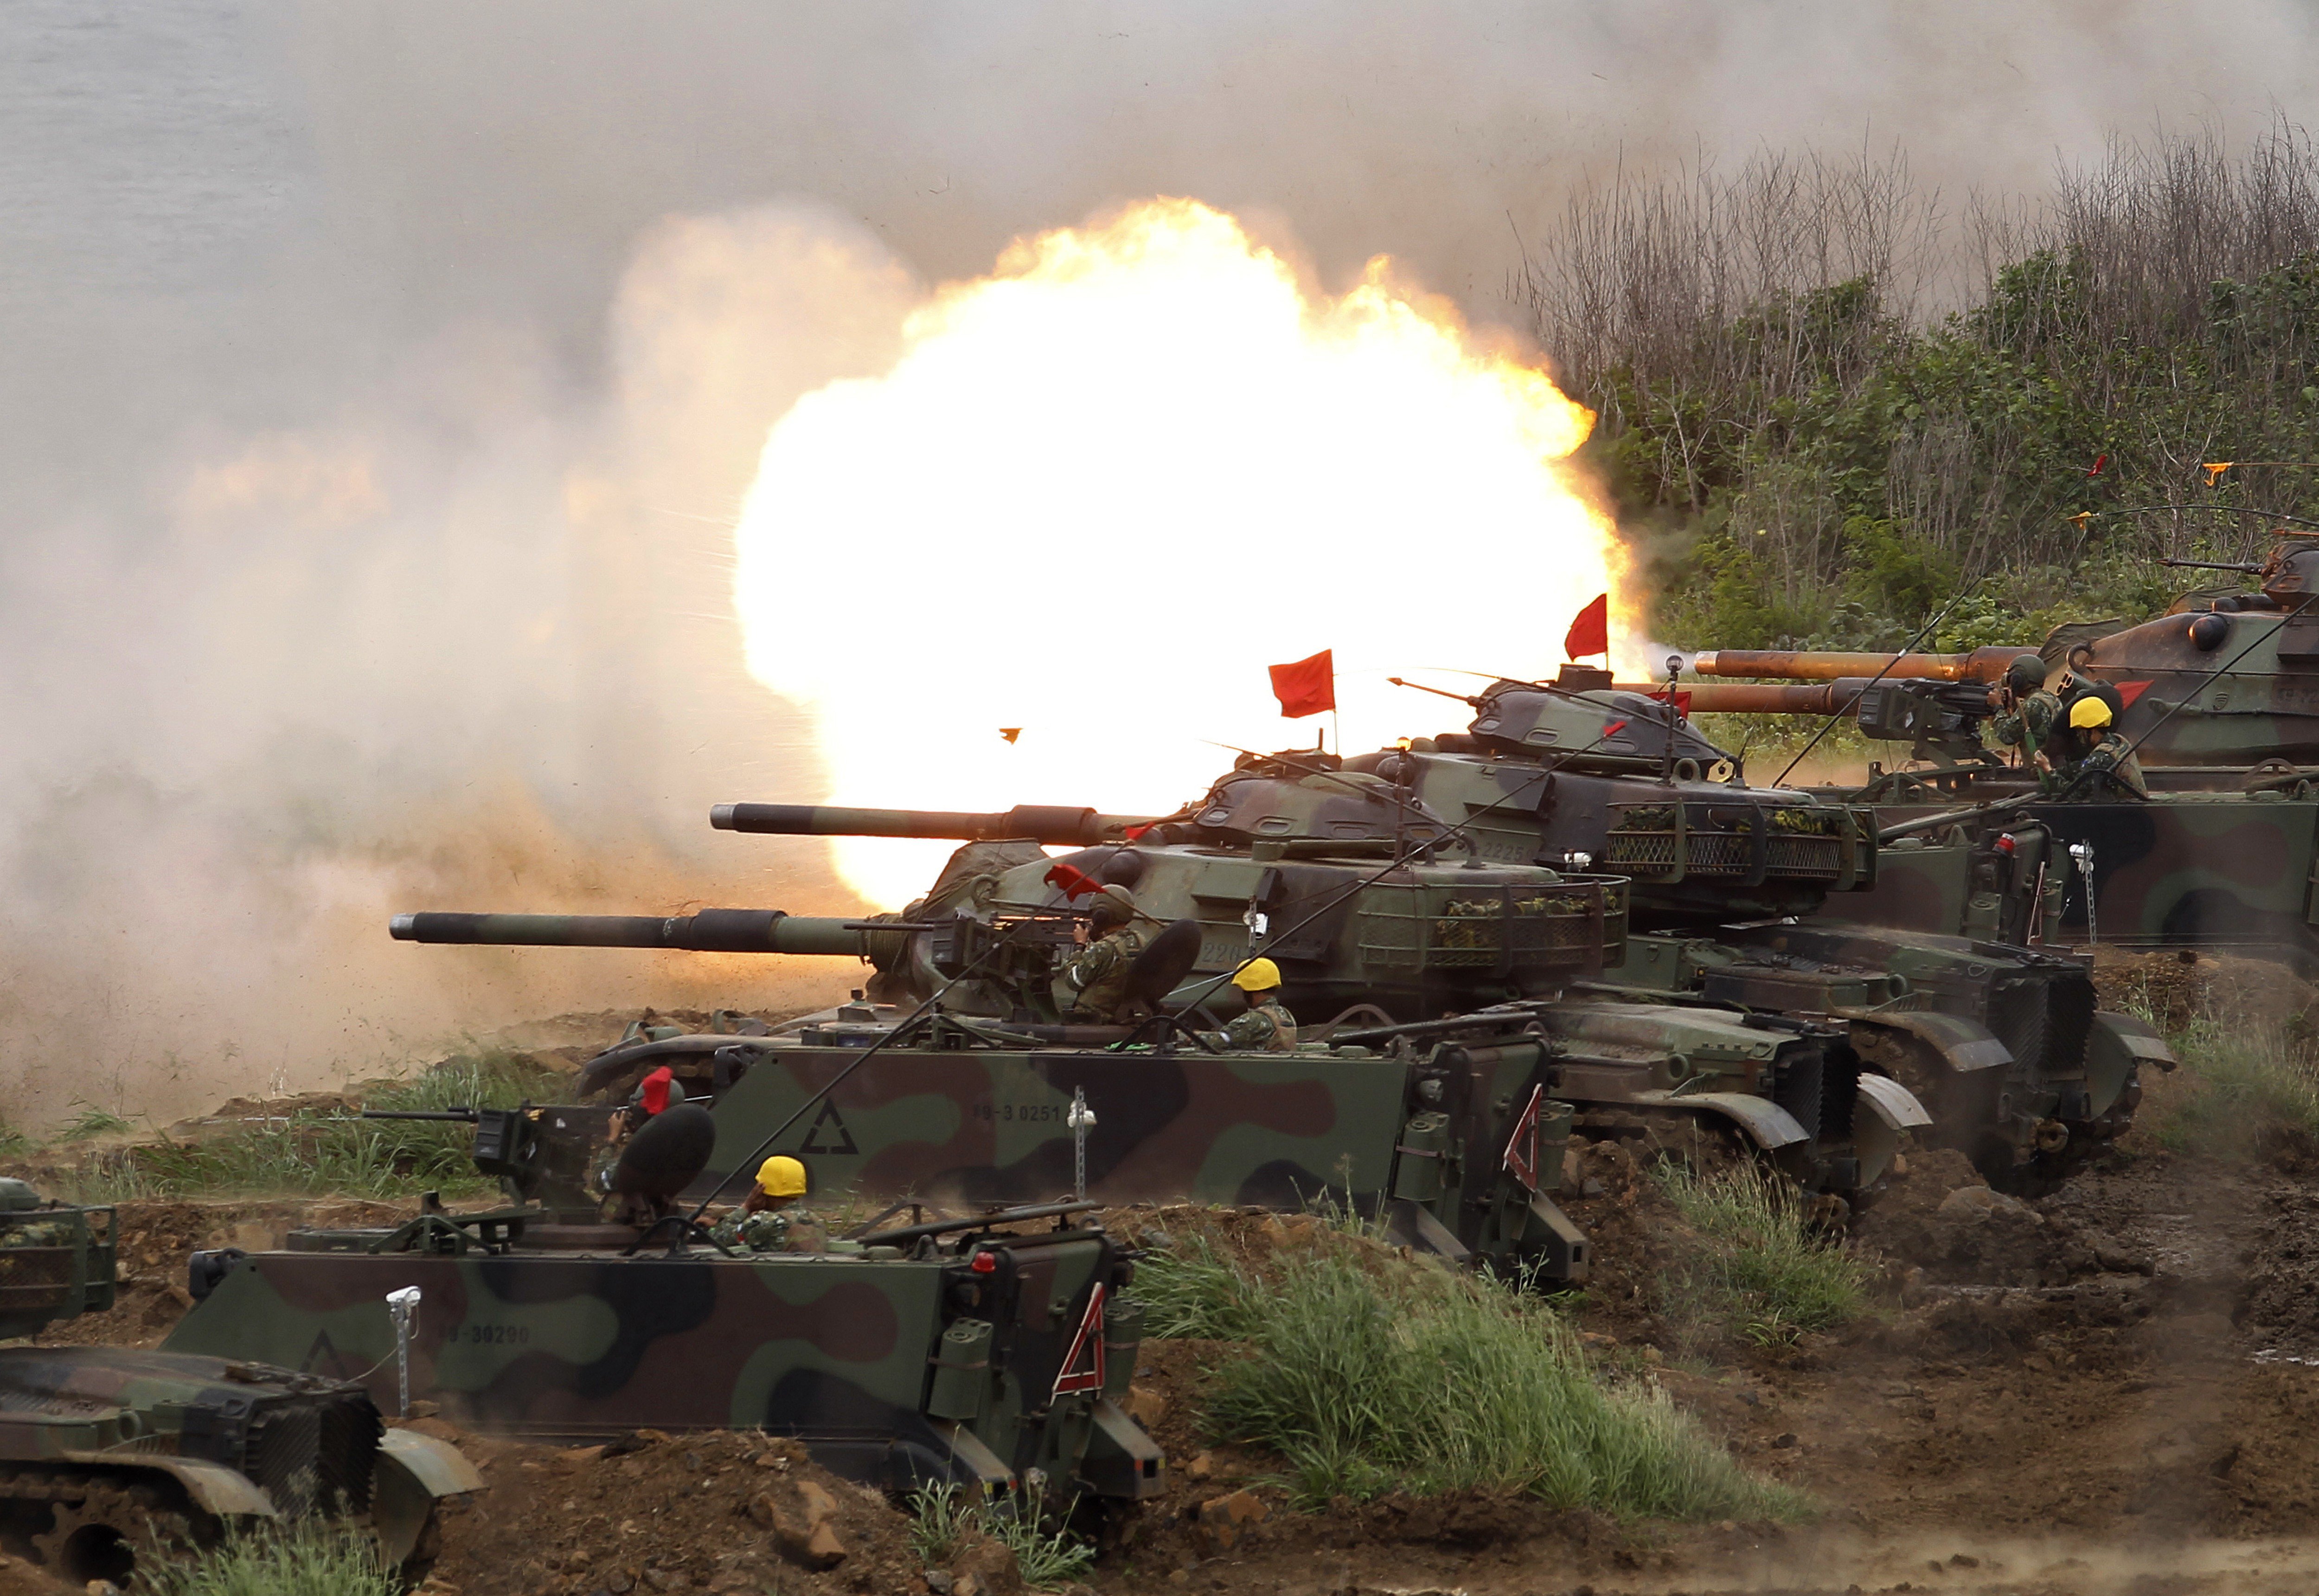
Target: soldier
[
  {"x": 1097, "y": 976},
  {"x": 2032, "y": 714},
  {"x": 655, "y": 1094},
  {"x": 765, "y": 1222},
  {"x": 1265, "y": 1027},
  {"x": 2100, "y": 762}
]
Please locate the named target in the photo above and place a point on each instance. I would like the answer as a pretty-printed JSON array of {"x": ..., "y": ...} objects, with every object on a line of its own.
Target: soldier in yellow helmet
[
  {"x": 2100, "y": 764},
  {"x": 765, "y": 1222},
  {"x": 1265, "y": 1027}
]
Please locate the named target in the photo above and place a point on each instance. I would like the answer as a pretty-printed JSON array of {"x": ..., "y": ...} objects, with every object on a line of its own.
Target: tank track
[{"x": 136, "y": 1513}]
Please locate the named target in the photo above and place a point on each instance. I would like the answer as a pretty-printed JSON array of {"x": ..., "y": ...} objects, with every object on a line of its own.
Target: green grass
[
  {"x": 92, "y": 1123},
  {"x": 944, "y": 1518},
  {"x": 1759, "y": 1271},
  {"x": 1367, "y": 1373},
  {"x": 2240, "y": 1091},
  {"x": 328, "y": 1154},
  {"x": 310, "y": 1561}
]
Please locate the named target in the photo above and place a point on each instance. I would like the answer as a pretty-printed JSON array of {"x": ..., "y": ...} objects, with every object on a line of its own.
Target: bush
[
  {"x": 1368, "y": 1373},
  {"x": 1758, "y": 1270},
  {"x": 2239, "y": 1092},
  {"x": 1811, "y": 454},
  {"x": 309, "y": 1561}
]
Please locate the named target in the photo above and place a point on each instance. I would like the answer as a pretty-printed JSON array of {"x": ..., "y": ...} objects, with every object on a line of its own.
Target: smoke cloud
[{"x": 383, "y": 382}]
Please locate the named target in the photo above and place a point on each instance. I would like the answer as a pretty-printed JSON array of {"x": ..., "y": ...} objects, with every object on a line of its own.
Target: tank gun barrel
[
  {"x": 1031, "y": 823},
  {"x": 464, "y": 1116},
  {"x": 1795, "y": 664},
  {"x": 711, "y": 931},
  {"x": 2252, "y": 568},
  {"x": 1839, "y": 697}
]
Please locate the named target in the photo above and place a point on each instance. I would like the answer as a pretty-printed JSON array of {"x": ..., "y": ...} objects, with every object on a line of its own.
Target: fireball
[{"x": 1047, "y": 555}]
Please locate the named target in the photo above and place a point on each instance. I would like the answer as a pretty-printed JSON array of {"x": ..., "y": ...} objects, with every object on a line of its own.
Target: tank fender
[
  {"x": 212, "y": 1487},
  {"x": 1965, "y": 1047},
  {"x": 436, "y": 1466},
  {"x": 1892, "y": 1102},
  {"x": 2116, "y": 1047},
  {"x": 413, "y": 1472},
  {"x": 1767, "y": 1124},
  {"x": 1121, "y": 1461}
]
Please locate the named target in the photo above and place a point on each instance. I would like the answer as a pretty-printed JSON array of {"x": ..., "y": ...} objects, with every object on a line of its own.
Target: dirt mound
[
  {"x": 2280, "y": 1310},
  {"x": 1940, "y": 1223},
  {"x": 728, "y": 1512},
  {"x": 1634, "y": 1232},
  {"x": 158, "y": 1239},
  {"x": 2177, "y": 985}
]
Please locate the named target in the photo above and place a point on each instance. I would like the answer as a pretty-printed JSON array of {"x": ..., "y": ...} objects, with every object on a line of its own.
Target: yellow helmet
[
  {"x": 1258, "y": 975},
  {"x": 2088, "y": 712},
  {"x": 781, "y": 1175}
]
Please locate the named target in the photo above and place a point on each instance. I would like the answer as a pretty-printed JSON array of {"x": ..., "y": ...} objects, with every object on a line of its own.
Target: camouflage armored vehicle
[
  {"x": 110, "y": 1456},
  {"x": 986, "y": 1351},
  {"x": 1385, "y": 917},
  {"x": 2001, "y": 1041},
  {"x": 2221, "y": 697}
]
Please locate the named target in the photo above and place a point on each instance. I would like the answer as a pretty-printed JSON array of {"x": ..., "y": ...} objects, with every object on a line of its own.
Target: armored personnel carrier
[
  {"x": 986, "y": 1351},
  {"x": 109, "y": 1456}
]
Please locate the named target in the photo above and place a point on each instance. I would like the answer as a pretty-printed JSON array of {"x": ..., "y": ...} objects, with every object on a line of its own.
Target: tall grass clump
[
  {"x": 2240, "y": 1091},
  {"x": 944, "y": 1518},
  {"x": 1759, "y": 1269},
  {"x": 1367, "y": 1374},
  {"x": 330, "y": 1153},
  {"x": 308, "y": 1561}
]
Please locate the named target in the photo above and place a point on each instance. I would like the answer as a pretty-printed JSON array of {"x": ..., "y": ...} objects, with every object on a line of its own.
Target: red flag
[
  {"x": 1589, "y": 630},
  {"x": 1070, "y": 879},
  {"x": 2127, "y": 691},
  {"x": 2099, "y": 462},
  {"x": 1306, "y": 686},
  {"x": 1681, "y": 700}
]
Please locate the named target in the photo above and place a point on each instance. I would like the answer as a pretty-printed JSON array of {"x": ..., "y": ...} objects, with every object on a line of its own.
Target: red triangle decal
[
  {"x": 2127, "y": 691},
  {"x": 1087, "y": 1344},
  {"x": 1521, "y": 1147}
]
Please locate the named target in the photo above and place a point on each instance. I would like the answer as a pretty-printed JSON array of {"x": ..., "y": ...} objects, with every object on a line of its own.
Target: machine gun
[{"x": 540, "y": 1155}]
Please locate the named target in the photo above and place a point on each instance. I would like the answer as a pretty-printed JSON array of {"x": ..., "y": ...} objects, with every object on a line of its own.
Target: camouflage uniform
[
  {"x": 2030, "y": 724},
  {"x": 1099, "y": 976},
  {"x": 779, "y": 1230},
  {"x": 2115, "y": 773},
  {"x": 1268, "y": 1028}
]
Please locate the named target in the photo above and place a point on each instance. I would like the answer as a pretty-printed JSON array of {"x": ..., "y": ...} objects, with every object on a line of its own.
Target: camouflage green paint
[
  {"x": 988, "y": 1126},
  {"x": 834, "y": 1349},
  {"x": 217, "y": 1440}
]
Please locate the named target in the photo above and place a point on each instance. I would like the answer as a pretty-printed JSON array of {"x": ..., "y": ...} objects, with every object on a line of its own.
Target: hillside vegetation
[{"x": 1812, "y": 451}]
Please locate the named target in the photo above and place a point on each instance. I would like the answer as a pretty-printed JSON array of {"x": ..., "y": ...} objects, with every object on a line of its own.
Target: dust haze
[{"x": 382, "y": 382}]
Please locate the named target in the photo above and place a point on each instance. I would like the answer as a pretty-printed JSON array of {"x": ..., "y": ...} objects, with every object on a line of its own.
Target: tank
[
  {"x": 108, "y": 1454},
  {"x": 2221, "y": 697},
  {"x": 2222, "y": 683},
  {"x": 986, "y": 1351},
  {"x": 1578, "y": 774},
  {"x": 1385, "y": 919}
]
